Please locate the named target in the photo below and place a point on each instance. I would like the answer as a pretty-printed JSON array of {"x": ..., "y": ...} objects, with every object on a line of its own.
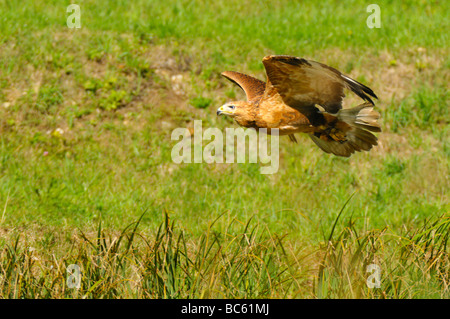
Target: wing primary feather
[{"x": 360, "y": 89}]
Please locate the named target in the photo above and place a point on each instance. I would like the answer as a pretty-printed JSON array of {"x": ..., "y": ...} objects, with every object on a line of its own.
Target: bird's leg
[
  {"x": 292, "y": 138},
  {"x": 332, "y": 134},
  {"x": 337, "y": 135}
]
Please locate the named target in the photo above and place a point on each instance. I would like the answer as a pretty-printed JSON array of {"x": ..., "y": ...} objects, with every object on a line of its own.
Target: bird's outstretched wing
[
  {"x": 302, "y": 84},
  {"x": 252, "y": 87}
]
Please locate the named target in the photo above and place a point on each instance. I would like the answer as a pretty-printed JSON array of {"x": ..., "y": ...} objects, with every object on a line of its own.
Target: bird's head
[{"x": 233, "y": 109}]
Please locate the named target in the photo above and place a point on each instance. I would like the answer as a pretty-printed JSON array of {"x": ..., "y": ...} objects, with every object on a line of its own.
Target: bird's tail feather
[
  {"x": 361, "y": 120},
  {"x": 362, "y": 116}
]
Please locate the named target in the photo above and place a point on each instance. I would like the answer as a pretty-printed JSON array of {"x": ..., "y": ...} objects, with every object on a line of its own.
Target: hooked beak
[{"x": 219, "y": 111}]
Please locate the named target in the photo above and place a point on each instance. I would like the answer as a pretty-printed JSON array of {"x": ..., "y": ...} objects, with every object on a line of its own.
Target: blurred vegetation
[{"x": 86, "y": 117}]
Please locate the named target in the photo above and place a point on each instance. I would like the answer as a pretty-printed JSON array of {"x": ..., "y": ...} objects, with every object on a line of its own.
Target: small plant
[
  {"x": 200, "y": 102},
  {"x": 113, "y": 99}
]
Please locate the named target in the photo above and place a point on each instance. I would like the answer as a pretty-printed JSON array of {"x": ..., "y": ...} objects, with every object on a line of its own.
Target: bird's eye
[{"x": 232, "y": 107}]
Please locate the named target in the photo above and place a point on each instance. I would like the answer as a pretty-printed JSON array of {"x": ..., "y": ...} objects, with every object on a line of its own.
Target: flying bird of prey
[{"x": 302, "y": 96}]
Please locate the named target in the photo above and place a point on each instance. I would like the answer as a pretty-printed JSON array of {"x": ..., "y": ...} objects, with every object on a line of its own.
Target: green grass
[
  {"x": 246, "y": 260},
  {"x": 85, "y": 123}
]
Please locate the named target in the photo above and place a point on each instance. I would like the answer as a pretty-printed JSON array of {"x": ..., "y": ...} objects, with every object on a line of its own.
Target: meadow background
[{"x": 86, "y": 175}]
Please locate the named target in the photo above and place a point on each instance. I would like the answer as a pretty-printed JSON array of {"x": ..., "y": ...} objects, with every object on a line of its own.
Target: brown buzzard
[{"x": 302, "y": 96}]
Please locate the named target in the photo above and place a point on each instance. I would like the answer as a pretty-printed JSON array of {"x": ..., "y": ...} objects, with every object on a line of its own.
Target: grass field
[{"x": 86, "y": 175}]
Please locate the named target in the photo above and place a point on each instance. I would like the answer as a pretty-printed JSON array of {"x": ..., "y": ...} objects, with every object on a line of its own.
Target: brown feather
[
  {"x": 252, "y": 87},
  {"x": 302, "y": 83}
]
